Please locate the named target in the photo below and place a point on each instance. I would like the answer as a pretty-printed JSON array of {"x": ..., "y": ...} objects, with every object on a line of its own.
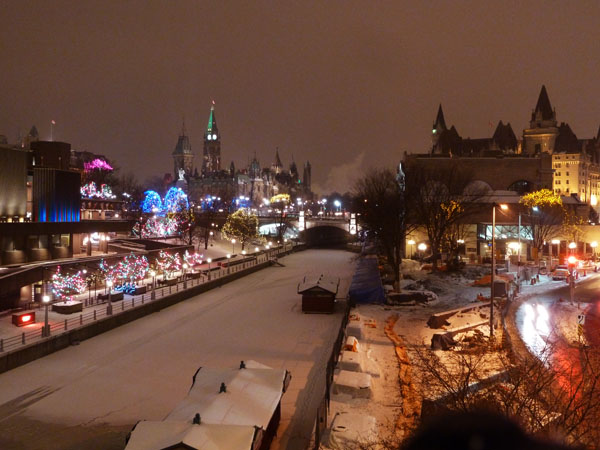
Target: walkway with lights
[
  {"x": 90, "y": 395},
  {"x": 27, "y": 327}
]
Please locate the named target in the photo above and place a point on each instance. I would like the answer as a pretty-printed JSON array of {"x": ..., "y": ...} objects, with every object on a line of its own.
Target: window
[
  {"x": 567, "y": 182},
  {"x": 567, "y": 173}
]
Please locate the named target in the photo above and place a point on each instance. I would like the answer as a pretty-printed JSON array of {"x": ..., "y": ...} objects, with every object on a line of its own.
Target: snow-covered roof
[
  {"x": 251, "y": 397},
  {"x": 329, "y": 284},
  {"x": 149, "y": 435}
]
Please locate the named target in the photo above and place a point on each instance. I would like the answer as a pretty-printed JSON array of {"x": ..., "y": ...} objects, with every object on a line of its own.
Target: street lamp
[
  {"x": 109, "y": 283},
  {"x": 153, "y": 294},
  {"x": 243, "y": 252},
  {"x": 594, "y": 244},
  {"x": 572, "y": 260},
  {"x": 411, "y": 242},
  {"x": 185, "y": 266},
  {"x": 503, "y": 207},
  {"x": 557, "y": 243},
  {"x": 209, "y": 260},
  {"x": 233, "y": 246},
  {"x": 422, "y": 247},
  {"x": 46, "y": 329}
]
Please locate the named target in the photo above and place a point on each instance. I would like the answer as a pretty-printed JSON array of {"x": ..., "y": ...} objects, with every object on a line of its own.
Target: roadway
[{"x": 90, "y": 395}]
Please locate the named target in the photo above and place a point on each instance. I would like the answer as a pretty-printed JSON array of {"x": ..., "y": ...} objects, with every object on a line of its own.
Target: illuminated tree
[
  {"x": 242, "y": 226},
  {"x": 279, "y": 202},
  {"x": 152, "y": 203},
  {"x": 131, "y": 268},
  {"x": 65, "y": 287},
  {"x": 168, "y": 262},
  {"x": 547, "y": 215}
]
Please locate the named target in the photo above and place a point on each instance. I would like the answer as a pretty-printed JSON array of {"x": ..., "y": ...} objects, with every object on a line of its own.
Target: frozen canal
[{"x": 89, "y": 396}]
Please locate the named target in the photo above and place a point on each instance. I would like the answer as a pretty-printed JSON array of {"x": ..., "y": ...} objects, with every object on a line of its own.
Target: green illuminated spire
[{"x": 212, "y": 122}]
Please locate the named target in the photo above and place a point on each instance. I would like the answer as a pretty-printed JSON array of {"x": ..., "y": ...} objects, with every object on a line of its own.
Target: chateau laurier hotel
[{"x": 549, "y": 155}]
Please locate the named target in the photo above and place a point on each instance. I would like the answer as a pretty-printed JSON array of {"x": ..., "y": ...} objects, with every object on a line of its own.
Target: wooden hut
[{"x": 318, "y": 294}]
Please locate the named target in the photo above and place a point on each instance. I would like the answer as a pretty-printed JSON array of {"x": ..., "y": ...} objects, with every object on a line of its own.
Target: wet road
[{"x": 536, "y": 324}]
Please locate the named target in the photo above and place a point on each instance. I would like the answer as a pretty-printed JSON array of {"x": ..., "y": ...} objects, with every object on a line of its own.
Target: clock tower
[{"x": 211, "y": 161}]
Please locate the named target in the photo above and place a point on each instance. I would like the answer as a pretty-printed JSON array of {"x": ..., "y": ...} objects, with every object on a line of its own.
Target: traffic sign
[{"x": 581, "y": 319}]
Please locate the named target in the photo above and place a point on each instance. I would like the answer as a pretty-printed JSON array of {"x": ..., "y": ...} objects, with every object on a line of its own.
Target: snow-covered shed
[
  {"x": 249, "y": 395},
  {"x": 149, "y": 435},
  {"x": 318, "y": 293},
  {"x": 225, "y": 408}
]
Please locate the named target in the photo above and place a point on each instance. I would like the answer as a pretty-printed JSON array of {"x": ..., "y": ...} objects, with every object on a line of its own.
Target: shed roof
[
  {"x": 149, "y": 435},
  {"x": 252, "y": 396},
  {"x": 328, "y": 284}
]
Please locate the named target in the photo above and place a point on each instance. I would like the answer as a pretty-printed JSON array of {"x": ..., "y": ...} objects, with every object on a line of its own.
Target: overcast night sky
[{"x": 345, "y": 85}]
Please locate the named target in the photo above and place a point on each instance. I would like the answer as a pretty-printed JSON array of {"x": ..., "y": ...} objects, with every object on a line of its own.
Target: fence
[
  {"x": 323, "y": 408},
  {"x": 131, "y": 302}
]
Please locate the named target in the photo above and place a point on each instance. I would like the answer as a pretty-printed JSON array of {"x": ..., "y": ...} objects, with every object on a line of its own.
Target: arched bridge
[{"x": 319, "y": 231}]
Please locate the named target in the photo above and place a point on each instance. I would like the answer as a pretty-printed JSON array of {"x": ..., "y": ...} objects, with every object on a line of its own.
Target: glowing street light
[
  {"x": 109, "y": 311},
  {"x": 412, "y": 243},
  {"x": 185, "y": 266},
  {"x": 233, "y": 246},
  {"x": 153, "y": 275},
  {"x": 46, "y": 329},
  {"x": 209, "y": 260},
  {"x": 594, "y": 244},
  {"x": 503, "y": 207}
]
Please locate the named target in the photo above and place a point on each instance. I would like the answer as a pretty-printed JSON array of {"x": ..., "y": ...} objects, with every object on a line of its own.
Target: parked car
[{"x": 560, "y": 274}]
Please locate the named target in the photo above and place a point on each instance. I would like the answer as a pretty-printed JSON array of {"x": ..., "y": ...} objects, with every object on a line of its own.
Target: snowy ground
[{"x": 90, "y": 395}]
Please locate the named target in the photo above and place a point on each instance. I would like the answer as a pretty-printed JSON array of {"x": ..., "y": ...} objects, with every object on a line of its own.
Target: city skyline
[{"x": 344, "y": 88}]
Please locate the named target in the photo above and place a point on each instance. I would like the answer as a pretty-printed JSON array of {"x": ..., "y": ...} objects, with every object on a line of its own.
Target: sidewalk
[{"x": 13, "y": 337}]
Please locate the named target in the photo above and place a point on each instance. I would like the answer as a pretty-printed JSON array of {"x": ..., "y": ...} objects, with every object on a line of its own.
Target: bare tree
[
  {"x": 547, "y": 396},
  {"x": 438, "y": 198},
  {"x": 379, "y": 203}
]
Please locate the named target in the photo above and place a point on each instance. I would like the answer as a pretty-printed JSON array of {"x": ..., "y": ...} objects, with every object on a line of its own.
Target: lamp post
[
  {"x": 209, "y": 260},
  {"x": 411, "y": 242},
  {"x": 185, "y": 266},
  {"x": 109, "y": 283},
  {"x": 46, "y": 329},
  {"x": 594, "y": 244},
  {"x": 421, "y": 247},
  {"x": 233, "y": 246},
  {"x": 153, "y": 294},
  {"x": 557, "y": 243},
  {"x": 503, "y": 207},
  {"x": 572, "y": 261},
  {"x": 228, "y": 258}
]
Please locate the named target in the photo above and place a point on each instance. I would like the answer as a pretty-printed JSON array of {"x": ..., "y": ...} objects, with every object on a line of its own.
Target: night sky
[{"x": 345, "y": 85}]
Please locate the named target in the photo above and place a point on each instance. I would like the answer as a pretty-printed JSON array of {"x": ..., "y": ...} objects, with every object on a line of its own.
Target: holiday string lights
[
  {"x": 131, "y": 269},
  {"x": 168, "y": 263},
  {"x": 192, "y": 259},
  {"x": 97, "y": 164},
  {"x": 158, "y": 227},
  {"x": 90, "y": 190},
  {"x": 65, "y": 287}
]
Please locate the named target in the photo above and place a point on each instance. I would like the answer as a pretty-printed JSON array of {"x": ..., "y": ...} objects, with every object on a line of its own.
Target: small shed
[
  {"x": 318, "y": 294},
  {"x": 249, "y": 396},
  {"x": 168, "y": 435}
]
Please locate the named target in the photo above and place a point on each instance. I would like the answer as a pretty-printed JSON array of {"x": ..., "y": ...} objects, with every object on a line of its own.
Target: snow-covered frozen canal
[{"x": 89, "y": 396}]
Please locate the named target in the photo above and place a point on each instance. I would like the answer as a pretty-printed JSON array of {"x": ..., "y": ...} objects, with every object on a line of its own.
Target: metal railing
[
  {"x": 131, "y": 302},
  {"x": 323, "y": 408}
]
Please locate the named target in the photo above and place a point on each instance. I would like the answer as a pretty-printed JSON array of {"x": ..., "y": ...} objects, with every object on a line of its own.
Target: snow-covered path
[{"x": 90, "y": 395}]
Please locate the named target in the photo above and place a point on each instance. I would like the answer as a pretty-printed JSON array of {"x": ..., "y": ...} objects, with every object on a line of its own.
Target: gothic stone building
[
  {"x": 549, "y": 155},
  {"x": 254, "y": 182}
]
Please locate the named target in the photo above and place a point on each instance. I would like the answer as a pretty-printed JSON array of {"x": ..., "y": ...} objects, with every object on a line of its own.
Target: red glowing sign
[{"x": 26, "y": 318}]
